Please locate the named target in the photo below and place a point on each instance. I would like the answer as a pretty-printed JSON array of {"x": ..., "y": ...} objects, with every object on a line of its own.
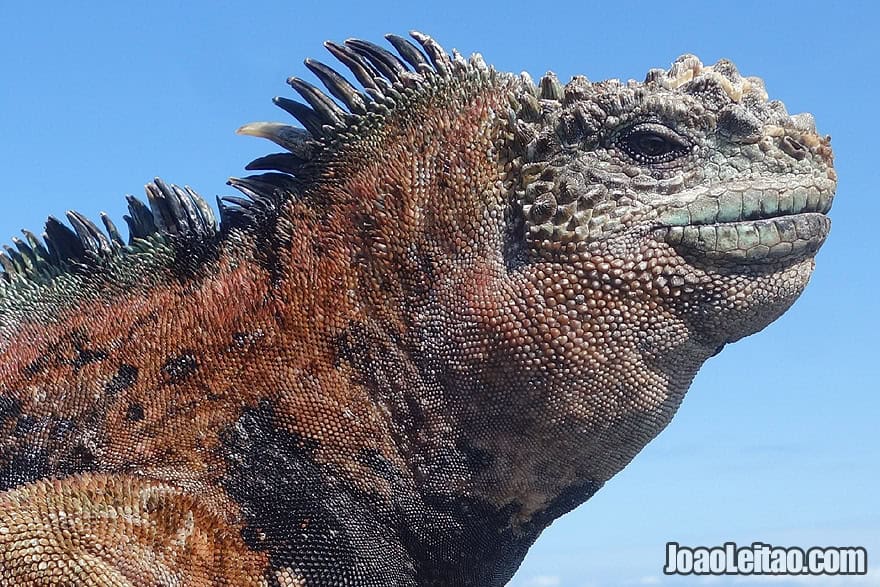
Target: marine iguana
[{"x": 452, "y": 308}]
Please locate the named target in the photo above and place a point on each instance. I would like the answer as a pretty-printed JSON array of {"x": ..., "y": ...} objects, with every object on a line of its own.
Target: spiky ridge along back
[{"x": 173, "y": 214}]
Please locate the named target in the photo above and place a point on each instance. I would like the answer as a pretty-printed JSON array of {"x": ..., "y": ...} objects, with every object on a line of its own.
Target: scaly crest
[{"x": 172, "y": 212}]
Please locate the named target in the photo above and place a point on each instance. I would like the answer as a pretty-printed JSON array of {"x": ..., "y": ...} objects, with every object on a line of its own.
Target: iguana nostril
[{"x": 793, "y": 148}]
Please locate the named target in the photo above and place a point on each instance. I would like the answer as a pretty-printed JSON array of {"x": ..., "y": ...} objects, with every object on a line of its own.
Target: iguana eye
[{"x": 650, "y": 143}]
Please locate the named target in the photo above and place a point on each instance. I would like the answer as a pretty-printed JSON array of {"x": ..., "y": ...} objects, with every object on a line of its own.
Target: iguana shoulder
[{"x": 452, "y": 308}]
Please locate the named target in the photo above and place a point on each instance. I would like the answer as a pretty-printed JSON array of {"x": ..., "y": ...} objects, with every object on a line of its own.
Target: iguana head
[{"x": 709, "y": 198}]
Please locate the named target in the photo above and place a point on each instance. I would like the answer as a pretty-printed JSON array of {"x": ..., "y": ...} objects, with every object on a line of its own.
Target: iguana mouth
[{"x": 762, "y": 223}]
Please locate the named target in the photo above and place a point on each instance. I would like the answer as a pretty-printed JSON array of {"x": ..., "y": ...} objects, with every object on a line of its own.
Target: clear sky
[{"x": 777, "y": 439}]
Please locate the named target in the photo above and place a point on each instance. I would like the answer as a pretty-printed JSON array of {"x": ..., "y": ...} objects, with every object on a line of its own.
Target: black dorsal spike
[
  {"x": 190, "y": 220},
  {"x": 338, "y": 86},
  {"x": 7, "y": 265},
  {"x": 409, "y": 52},
  {"x": 436, "y": 53},
  {"x": 36, "y": 244},
  {"x": 265, "y": 190},
  {"x": 62, "y": 241},
  {"x": 163, "y": 216},
  {"x": 90, "y": 235},
  {"x": 273, "y": 184},
  {"x": 26, "y": 251},
  {"x": 361, "y": 69},
  {"x": 253, "y": 198},
  {"x": 386, "y": 63},
  {"x": 17, "y": 259},
  {"x": 139, "y": 219},
  {"x": 206, "y": 222},
  {"x": 284, "y": 162},
  {"x": 305, "y": 115},
  {"x": 238, "y": 201},
  {"x": 320, "y": 103},
  {"x": 112, "y": 231}
]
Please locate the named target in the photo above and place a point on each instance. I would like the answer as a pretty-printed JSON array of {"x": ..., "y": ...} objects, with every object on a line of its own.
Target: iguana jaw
[
  {"x": 752, "y": 241},
  {"x": 764, "y": 223}
]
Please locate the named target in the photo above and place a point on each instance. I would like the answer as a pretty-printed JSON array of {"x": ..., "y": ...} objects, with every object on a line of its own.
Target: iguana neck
[{"x": 365, "y": 426}]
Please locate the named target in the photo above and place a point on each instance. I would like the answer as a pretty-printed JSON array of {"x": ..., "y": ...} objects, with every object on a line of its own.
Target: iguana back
[{"x": 455, "y": 306}]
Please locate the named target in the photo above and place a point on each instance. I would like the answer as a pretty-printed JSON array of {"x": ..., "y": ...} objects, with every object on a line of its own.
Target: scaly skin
[{"x": 466, "y": 303}]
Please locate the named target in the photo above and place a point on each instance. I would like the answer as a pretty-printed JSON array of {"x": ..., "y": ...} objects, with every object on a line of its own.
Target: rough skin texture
[{"x": 452, "y": 310}]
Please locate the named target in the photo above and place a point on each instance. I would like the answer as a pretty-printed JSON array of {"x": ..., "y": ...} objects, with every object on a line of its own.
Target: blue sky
[{"x": 777, "y": 439}]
